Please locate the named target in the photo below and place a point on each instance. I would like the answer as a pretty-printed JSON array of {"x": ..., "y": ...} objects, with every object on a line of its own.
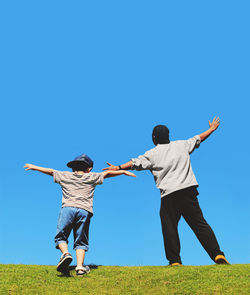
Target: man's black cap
[{"x": 160, "y": 134}]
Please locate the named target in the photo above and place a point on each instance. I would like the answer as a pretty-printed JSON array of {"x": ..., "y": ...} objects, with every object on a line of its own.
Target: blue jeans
[{"x": 78, "y": 220}]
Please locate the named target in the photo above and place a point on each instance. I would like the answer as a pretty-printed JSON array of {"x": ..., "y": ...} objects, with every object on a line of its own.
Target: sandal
[{"x": 80, "y": 271}]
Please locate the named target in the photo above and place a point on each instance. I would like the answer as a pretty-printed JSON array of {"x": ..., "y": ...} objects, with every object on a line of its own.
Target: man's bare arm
[
  {"x": 47, "y": 171},
  {"x": 213, "y": 126},
  {"x": 125, "y": 166}
]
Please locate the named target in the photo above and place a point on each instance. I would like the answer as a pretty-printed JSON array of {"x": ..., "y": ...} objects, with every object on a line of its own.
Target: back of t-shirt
[
  {"x": 78, "y": 189},
  {"x": 170, "y": 165}
]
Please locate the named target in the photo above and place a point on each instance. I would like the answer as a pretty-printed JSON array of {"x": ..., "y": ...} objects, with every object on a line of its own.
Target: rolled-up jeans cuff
[
  {"x": 60, "y": 242},
  {"x": 86, "y": 248}
]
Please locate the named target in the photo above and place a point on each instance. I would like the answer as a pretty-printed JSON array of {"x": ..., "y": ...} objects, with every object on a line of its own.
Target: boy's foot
[
  {"x": 221, "y": 259},
  {"x": 176, "y": 264},
  {"x": 80, "y": 271},
  {"x": 64, "y": 262}
]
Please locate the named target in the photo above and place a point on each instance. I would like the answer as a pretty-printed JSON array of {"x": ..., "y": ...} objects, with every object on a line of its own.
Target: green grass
[{"x": 115, "y": 280}]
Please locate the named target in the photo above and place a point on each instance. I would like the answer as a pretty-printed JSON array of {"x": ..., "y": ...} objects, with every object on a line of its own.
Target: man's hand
[
  {"x": 125, "y": 166},
  {"x": 111, "y": 167},
  {"x": 213, "y": 126},
  {"x": 215, "y": 123},
  {"x": 29, "y": 167}
]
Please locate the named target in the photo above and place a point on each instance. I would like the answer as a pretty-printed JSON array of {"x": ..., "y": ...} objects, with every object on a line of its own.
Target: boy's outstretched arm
[
  {"x": 47, "y": 171},
  {"x": 213, "y": 126},
  {"x": 125, "y": 166},
  {"x": 112, "y": 173}
]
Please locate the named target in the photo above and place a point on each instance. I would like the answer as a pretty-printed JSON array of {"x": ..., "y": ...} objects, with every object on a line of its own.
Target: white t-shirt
[
  {"x": 78, "y": 189},
  {"x": 170, "y": 164}
]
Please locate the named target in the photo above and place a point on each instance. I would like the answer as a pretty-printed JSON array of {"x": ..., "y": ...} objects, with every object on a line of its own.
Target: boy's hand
[
  {"x": 128, "y": 173},
  {"x": 47, "y": 171},
  {"x": 111, "y": 167},
  {"x": 215, "y": 123},
  {"x": 29, "y": 167}
]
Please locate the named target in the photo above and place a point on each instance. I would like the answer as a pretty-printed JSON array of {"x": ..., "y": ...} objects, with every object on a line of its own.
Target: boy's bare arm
[
  {"x": 47, "y": 171},
  {"x": 213, "y": 126},
  {"x": 112, "y": 173}
]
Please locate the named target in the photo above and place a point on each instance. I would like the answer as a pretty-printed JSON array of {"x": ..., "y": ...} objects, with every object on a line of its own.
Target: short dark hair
[
  {"x": 160, "y": 134},
  {"x": 79, "y": 167}
]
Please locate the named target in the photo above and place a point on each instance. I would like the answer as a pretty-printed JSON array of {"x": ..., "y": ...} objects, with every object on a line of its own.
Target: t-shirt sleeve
[
  {"x": 96, "y": 178},
  {"x": 192, "y": 143},
  {"x": 143, "y": 162},
  {"x": 57, "y": 176}
]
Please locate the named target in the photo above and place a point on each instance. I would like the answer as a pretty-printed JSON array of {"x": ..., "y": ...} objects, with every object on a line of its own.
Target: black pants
[{"x": 185, "y": 203}]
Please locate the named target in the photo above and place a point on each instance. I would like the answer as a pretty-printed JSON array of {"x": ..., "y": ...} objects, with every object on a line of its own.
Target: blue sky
[{"x": 96, "y": 77}]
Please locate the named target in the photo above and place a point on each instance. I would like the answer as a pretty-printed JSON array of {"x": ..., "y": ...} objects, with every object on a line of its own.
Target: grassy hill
[{"x": 115, "y": 280}]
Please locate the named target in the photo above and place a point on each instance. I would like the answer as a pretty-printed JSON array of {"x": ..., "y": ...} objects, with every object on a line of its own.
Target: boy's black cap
[{"x": 82, "y": 159}]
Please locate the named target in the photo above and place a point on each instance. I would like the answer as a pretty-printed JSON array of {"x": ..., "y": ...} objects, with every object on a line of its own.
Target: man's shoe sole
[
  {"x": 220, "y": 259},
  {"x": 63, "y": 265},
  {"x": 176, "y": 264}
]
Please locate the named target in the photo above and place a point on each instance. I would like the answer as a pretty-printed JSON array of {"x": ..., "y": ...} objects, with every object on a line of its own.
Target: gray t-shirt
[
  {"x": 170, "y": 164},
  {"x": 78, "y": 190}
]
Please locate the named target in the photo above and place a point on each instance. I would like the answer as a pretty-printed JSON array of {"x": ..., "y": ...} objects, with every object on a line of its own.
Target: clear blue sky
[{"x": 95, "y": 77}]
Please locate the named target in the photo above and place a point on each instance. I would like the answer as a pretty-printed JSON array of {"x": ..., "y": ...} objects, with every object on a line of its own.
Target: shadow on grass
[{"x": 72, "y": 267}]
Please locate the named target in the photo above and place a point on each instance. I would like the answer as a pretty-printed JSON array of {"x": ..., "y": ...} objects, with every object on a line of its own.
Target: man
[{"x": 169, "y": 162}]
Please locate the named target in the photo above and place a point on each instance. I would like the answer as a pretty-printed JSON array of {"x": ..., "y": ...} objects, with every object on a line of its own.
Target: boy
[
  {"x": 169, "y": 162},
  {"x": 77, "y": 207}
]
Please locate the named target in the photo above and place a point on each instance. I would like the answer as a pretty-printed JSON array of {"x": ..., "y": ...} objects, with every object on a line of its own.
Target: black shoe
[
  {"x": 64, "y": 262},
  {"x": 220, "y": 259}
]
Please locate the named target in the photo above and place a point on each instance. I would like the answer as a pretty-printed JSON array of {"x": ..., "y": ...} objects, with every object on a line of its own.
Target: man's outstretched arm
[
  {"x": 125, "y": 166},
  {"x": 47, "y": 171},
  {"x": 213, "y": 126}
]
